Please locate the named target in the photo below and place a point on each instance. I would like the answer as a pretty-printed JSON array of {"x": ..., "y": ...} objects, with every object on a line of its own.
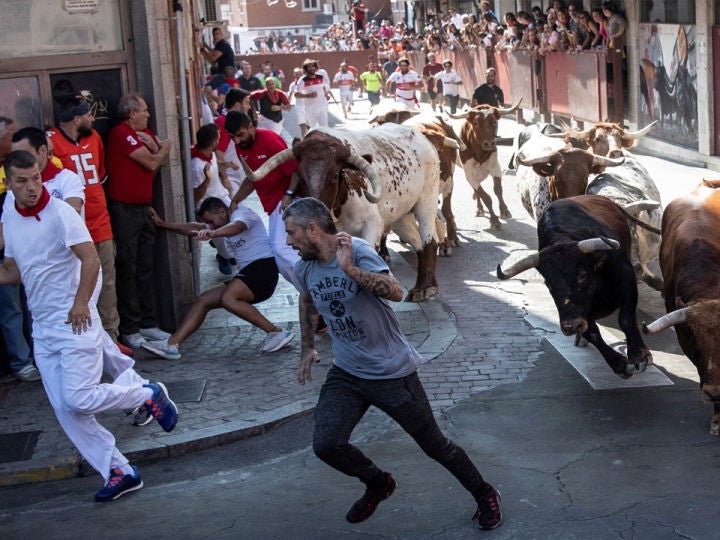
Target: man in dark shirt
[
  {"x": 390, "y": 67},
  {"x": 222, "y": 55},
  {"x": 247, "y": 80},
  {"x": 488, "y": 93}
]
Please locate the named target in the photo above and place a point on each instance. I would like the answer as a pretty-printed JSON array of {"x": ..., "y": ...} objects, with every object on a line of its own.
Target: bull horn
[
  {"x": 575, "y": 134},
  {"x": 511, "y": 109},
  {"x": 265, "y": 169},
  {"x": 597, "y": 244},
  {"x": 459, "y": 116},
  {"x": 364, "y": 166},
  {"x": 534, "y": 161},
  {"x": 526, "y": 263},
  {"x": 451, "y": 143},
  {"x": 606, "y": 161},
  {"x": 639, "y": 206},
  {"x": 555, "y": 135},
  {"x": 679, "y": 316},
  {"x": 641, "y": 133}
]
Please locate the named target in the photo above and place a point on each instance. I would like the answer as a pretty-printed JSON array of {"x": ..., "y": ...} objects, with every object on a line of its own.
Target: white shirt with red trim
[
  {"x": 405, "y": 83},
  {"x": 345, "y": 81}
]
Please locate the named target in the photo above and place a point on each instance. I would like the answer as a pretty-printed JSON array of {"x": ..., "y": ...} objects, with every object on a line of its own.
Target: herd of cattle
[{"x": 600, "y": 221}]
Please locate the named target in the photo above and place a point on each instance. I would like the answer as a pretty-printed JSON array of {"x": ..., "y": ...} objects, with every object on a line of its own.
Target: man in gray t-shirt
[{"x": 344, "y": 279}]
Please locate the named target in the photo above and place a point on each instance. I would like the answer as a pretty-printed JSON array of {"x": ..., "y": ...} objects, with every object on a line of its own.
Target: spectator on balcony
[
  {"x": 601, "y": 21},
  {"x": 485, "y": 10},
  {"x": 616, "y": 25},
  {"x": 358, "y": 14},
  {"x": 588, "y": 31}
]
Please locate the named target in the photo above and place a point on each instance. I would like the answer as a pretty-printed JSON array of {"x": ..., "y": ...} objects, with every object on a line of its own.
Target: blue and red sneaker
[{"x": 161, "y": 406}]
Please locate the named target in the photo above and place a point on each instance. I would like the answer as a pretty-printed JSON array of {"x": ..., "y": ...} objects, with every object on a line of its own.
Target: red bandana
[
  {"x": 49, "y": 172},
  {"x": 195, "y": 153},
  {"x": 39, "y": 207}
]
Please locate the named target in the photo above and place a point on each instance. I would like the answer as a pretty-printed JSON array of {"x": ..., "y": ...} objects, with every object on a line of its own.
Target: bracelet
[{"x": 290, "y": 192}]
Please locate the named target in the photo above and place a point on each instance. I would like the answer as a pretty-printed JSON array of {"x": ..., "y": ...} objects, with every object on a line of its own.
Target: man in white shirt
[
  {"x": 406, "y": 82},
  {"x": 49, "y": 249},
  {"x": 255, "y": 282},
  {"x": 345, "y": 79},
  {"x": 62, "y": 184},
  {"x": 451, "y": 82},
  {"x": 314, "y": 90}
]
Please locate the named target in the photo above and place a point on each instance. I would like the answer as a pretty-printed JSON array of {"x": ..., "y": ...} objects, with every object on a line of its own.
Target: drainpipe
[{"x": 184, "y": 118}]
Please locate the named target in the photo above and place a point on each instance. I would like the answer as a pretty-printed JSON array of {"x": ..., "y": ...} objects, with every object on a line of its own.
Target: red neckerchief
[
  {"x": 39, "y": 207},
  {"x": 196, "y": 153},
  {"x": 49, "y": 172}
]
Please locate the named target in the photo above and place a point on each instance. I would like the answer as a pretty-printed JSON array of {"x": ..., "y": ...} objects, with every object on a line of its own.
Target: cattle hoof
[
  {"x": 479, "y": 213},
  {"x": 505, "y": 213},
  {"x": 580, "y": 341},
  {"x": 715, "y": 428},
  {"x": 455, "y": 242},
  {"x": 418, "y": 295},
  {"x": 445, "y": 251},
  {"x": 495, "y": 224}
]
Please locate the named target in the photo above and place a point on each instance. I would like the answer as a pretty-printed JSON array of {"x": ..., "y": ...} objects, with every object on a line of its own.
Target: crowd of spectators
[{"x": 564, "y": 26}]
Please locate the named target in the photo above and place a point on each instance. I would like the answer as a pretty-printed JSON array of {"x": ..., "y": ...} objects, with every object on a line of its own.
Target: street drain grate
[
  {"x": 184, "y": 391},
  {"x": 18, "y": 446}
]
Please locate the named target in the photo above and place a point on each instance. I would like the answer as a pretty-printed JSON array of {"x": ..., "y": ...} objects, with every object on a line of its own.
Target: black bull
[{"x": 584, "y": 244}]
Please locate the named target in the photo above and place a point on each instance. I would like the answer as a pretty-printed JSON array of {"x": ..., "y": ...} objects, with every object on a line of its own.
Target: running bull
[
  {"x": 385, "y": 178},
  {"x": 690, "y": 264},
  {"x": 584, "y": 246}
]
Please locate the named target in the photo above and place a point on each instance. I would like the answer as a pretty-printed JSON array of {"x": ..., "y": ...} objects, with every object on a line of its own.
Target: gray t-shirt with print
[{"x": 367, "y": 341}]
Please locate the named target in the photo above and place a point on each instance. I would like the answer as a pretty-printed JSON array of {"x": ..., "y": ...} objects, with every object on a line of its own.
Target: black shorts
[
  {"x": 433, "y": 94},
  {"x": 261, "y": 277}
]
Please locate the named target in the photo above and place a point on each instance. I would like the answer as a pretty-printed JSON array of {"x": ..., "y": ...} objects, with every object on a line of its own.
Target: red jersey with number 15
[{"x": 87, "y": 158}]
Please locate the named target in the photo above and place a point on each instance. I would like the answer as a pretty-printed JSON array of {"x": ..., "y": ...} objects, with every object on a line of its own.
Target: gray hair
[
  {"x": 308, "y": 209},
  {"x": 128, "y": 104},
  {"x": 4, "y": 123}
]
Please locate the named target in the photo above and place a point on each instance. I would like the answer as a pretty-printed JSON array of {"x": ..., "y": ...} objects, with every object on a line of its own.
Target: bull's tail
[{"x": 640, "y": 223}]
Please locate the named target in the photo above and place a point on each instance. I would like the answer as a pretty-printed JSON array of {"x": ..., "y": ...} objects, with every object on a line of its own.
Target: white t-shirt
[
  {"x": 64, "y": 185},
  {"x": 251, "y": 244},
  {"x": 405, "y": 84},
  {"x": 345, "y": 81},
  {"x": 49, "y": 269},
  {"x": 450, "y": 82},
  {"x": 215, "y": 187},
  {"x": 317, "y": 85}
]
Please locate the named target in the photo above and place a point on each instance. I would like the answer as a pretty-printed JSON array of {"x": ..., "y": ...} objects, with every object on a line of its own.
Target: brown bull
[
  {"x": 690, "y": 264},
  {"x": 479, "y": 157},
  {"x": 608, "y": 139}
]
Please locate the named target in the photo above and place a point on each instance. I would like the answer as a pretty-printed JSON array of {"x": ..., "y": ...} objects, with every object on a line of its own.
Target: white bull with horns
[{"x": 375, "y": 180}]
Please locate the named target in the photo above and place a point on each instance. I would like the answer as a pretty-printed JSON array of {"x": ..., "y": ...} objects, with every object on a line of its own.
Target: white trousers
[
  {"x": 266, "y": 123},
  {"x": 285, "y": 256},
  {"x": 71, "y": 366},
  {"x": 316, "y": 116}
]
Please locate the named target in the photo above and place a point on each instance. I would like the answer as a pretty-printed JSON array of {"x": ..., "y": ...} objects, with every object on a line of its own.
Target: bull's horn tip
[
  {"x": 645, "y": 328},
  {"x": 499, "y": 272}
]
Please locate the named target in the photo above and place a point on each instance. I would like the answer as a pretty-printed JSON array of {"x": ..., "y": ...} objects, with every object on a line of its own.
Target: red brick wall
[{"x": 259, "y": 14}]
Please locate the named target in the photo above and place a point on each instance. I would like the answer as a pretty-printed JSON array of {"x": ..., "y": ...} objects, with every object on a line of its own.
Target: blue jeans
[
  {"x": 11, "y": 325},
  {"x": 343, "y": 401}
]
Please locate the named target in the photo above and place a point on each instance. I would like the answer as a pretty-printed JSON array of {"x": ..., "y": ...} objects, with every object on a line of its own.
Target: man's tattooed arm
[{"x": 382, "y": 285}]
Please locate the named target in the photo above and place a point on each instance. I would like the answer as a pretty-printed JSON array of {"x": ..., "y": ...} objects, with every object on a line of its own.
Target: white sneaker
[
  {"x": 162, "y": 349},
  {"x": 28, "y": 374},
  {"x": 133, "y": 340},
  {"x": 277, "y": 340},
  {"x": 154, "y": 334}
]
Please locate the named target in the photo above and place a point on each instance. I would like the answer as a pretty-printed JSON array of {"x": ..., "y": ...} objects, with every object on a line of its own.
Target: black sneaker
[
  {"x": 119, "y": 484},
  {"x": 366, "y": 505},
  {"x": 488, "y": 512}
]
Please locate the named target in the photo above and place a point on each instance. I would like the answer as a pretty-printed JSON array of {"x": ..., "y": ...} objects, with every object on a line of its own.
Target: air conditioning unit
[
  {"x": 212, "y": 11},
  {"x": 327, "y": 9}
]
